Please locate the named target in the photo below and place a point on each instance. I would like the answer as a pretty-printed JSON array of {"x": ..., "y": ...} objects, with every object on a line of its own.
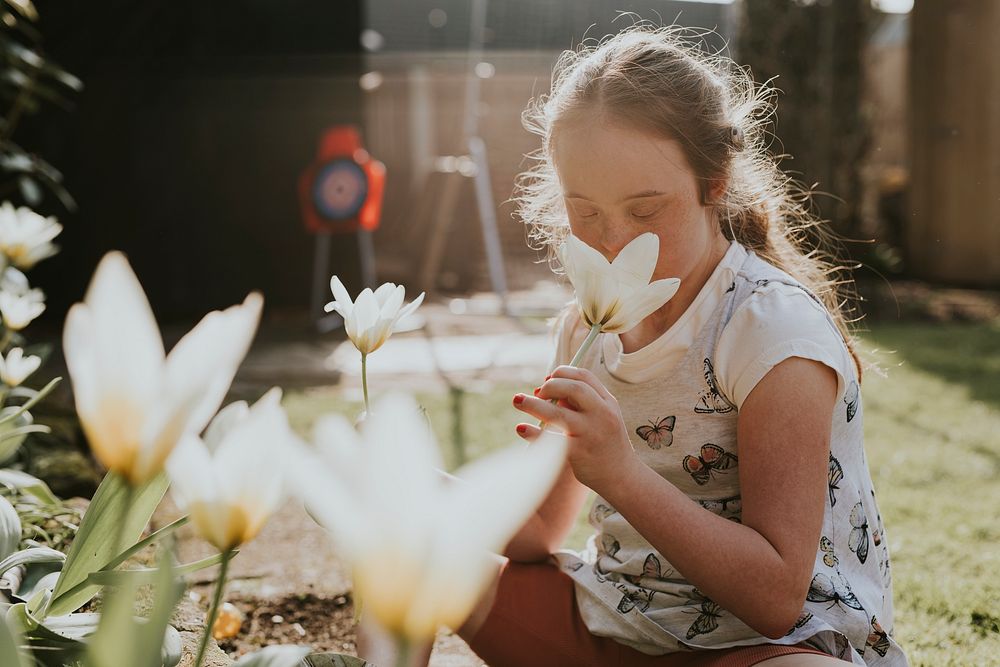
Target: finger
[
  {"x": 528, "y": 431},
  {"x": 542, "y": 409},
  {"x": 579, "y": 395},
  {"x": 582, "y": 375}
]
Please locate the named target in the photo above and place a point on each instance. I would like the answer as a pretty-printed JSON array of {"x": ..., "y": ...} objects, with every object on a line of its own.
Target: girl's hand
[{"x": 600, "y": 452}]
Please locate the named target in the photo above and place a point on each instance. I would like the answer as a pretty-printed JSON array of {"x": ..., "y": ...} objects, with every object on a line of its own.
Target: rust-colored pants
[{"x": 534, "y": 622}]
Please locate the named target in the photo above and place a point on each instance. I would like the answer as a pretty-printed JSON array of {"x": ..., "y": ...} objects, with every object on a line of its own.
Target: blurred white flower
[
  {"x": 16, "y": 367},
  {"x": 419, "y": 545},
  {"x": 233, "y": 480},
  {"x": 371, "y": 319},
  {"x": 18, "y": 310},
  {"x": 25, "y": 236},
  {"x": 134, "y": 402},
  {"x": 616, "y": 295}
]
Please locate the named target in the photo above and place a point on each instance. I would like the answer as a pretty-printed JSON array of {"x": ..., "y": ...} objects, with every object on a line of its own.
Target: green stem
[
  {"x": 591, "y": 337},
  {"x": 403, "y": 652},
  {"x": 364, "y": 380},
  {"x": 213, "y": 612},
  {"x": 8, "y": 335}
]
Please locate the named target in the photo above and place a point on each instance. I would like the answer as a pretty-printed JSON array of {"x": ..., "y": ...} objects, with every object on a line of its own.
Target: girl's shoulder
[{"x": 774, "y": 317}]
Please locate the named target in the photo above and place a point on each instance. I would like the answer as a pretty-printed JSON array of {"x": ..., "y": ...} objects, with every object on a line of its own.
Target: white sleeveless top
[{"x": 680, "y": 398}]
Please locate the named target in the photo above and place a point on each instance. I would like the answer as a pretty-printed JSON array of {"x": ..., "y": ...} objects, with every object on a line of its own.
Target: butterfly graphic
[
  {"x": 803, "y": 619},
  {"x": 658, "y": 434},
  {"x": 733, "y": 504},
  {"x": 878, "y": 640},
  {"x": 573, "y": 567},
  {"x": 834, "y": 475},
  {"x": 650, "y": 568},
  {"x": 826, "y": 546},
  {"x": 732, "y": 287},
  {"x": 711, "y": 458},
  {"x": 851, "y": 399},
  {"x": 712, "y": 400},
  {"x": 858, "y": 539},
  {"x": 639, "y": 599},
  {"x": 610, "y": 545},
  {"x": 599, "y": 512},
  {"x": 709, "y": 614},
  {"x": 835, "y": 591}
]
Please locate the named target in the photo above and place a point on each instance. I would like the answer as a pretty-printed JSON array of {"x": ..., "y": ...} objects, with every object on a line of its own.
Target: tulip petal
[
  {"x": 224, "y": 422},
  {"x": 191, "y": 472},
  {"x": 384, "y": 291},
  {"x": 636, "y": 262},
  {"x": 644, "y": 302},
  {"x": 340, "y": 294},
  {"x": 408, "y": 309}
]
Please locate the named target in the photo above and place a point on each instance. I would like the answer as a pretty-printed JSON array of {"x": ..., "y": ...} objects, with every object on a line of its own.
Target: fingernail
[
  {"x": 548, "y": 377},
  {"x": 518, "y": 399},
  {"x": 522, "y": 429},
  {"x": 537, "y": 389}
]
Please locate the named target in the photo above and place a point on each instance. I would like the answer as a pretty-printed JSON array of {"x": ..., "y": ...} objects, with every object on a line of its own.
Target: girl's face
[{"x": 619, "y": 182}]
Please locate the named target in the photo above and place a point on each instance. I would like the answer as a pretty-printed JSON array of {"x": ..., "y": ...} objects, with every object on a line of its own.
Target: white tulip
[
  {"x": 419, "y": 545},
  {"x": 135, "y": 402},
  {"x": 16, "y": 367},
  {"x": 19, "y": 310},
  {"x": 233, "y": 480},
  {"x": 372, "y": 318},
  {"x": 25, "y": 236},
  {"x": 616, "y": 296}
]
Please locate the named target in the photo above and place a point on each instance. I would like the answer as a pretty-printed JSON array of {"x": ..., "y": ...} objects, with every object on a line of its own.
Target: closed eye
[{"x": 645, "y": 213}]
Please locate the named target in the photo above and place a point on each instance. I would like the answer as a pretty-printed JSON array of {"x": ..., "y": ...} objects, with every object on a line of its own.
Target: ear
[{"x": 716, "y": 190}]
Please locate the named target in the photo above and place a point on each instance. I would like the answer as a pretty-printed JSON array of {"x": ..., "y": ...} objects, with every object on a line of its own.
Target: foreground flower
[
  {"x": 613, "y": 297},
  {"x": 371, "y": 319},
  {"x": 25, "y": 236},
  {"x": 420, "y": 545},
  {"x": 231, "y": 481},
  {"x": 134, "y": 402},
  {"x": 19, "y": 310},
  {"x": 16, "y": 367}
]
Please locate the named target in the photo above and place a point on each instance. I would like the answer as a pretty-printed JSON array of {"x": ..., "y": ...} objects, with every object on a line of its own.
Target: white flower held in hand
[
  {"x": 135, "y": 402},
  {"x": 25, "y": 236},
  {"x": 613, "y": 297},
  {"x": 17, "y": 367},
  {"x": 371, "y": 319},
  {"x": 233, "y": 480},
  {"x": 419, "y": 544}
]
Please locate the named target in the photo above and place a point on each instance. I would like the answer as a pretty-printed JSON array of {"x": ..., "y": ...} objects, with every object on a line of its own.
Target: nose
[{"x": 614, "y": 236}]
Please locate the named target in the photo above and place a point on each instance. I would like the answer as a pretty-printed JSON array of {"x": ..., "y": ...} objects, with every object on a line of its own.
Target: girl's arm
[
  {"x": 759, "y": 570},
  {"x": 549, "y": 526}
]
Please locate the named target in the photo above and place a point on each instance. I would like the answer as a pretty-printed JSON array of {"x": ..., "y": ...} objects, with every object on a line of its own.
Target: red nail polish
[
  {"x": 522, "y": 429},
  {"x": 537, "y": 389},
  {"x": 518, "y": 399},
  {"x": 548, "y": 377}
]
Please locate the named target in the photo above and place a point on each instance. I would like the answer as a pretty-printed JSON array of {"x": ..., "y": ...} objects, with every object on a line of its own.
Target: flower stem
[
  {"x": 213, "y": 612},
  {"x": 364, "y": 380},
  {"x": 591, "y": 337},
  {"x": 403, "y": 652}
]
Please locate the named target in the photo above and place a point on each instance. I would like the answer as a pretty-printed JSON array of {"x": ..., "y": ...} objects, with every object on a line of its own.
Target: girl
[{"x": 735, "y": 518}]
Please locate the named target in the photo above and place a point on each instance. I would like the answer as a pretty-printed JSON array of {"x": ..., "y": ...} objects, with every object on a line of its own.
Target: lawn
[{"x": 932, "y": 419}]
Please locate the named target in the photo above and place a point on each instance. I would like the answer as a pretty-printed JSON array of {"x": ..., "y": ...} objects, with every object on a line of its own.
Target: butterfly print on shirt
[
  {"x": 803, "y": 619},
  {"x": 834, "y": 475},
  {"x": 609, "y": 545},
  {"x": 711, "y": 400},
  {"x": 658, "y": 434},
  {"x": 708, "y": 612},
  {"x": 834, "y": 590},
  {"x": 732, "y": 506},
  {"x": 878, "y": 640},
  {"x": 858, "y": 539},
  {"x": 651, "y": 569},
  {"x": 829, "y": 557},
  {"x": 639, "y": 599},
  {"x": 711, "y": 458},
  {"x": 732, "y": 287},
  {"x": 599, "y": 512},
  {"x": 852, "y": 399}
]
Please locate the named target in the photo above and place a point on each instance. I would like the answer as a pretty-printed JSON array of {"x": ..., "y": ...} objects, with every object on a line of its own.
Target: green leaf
[
  {"x": 333, "y": 660},
  {"x": 147, "y": 575},
  {"x": 22, "y": 481},
  {"x": 275, "y": 656},
  {"x": 42, "y": 393},
  {"x": 10, "y": 640},
  {"x": 145, "y": 542},
  {"x": 32, "y": 555},
  {"x": 93, "y": 547},
  {"x": 10, "y": 528},
  {"x": 122, "y": 639}
]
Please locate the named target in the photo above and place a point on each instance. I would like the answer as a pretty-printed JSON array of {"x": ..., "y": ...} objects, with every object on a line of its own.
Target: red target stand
[{"x": 340, "y": 193}]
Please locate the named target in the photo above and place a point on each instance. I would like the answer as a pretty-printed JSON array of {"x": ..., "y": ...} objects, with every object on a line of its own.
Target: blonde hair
[{"x": 659, "y": 80}]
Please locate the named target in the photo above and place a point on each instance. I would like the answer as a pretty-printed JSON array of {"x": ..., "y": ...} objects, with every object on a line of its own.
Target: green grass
[{"x": 933, "y": 439}]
